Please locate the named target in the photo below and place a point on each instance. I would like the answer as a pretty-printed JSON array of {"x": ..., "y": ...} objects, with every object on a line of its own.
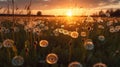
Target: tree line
[{"x": 108, "y": 13}]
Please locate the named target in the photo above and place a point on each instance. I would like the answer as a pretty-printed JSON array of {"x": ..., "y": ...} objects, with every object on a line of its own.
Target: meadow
[{"x": 59, "y": 42}]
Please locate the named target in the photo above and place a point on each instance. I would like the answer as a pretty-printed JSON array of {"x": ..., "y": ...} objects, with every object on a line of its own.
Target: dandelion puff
[
  {"x": 101, "y": 38},
  {"x": 17, "y": 61},
  {"x": 43, "y": 43},
  {"x": 100, "y": 65},
  {"x": 66, "y": 32},
  {"x": 8, "y": 43},
  {"x": 74, "y": 34},
  {"x": 112, "y": 29},
  {"x": 101, "y": 27},
  {"x": 117, "y": 28},
  {"x": 83, "y": 34},
  {"x": 51, "y": 58},
  {"x": 88, "y": 44},
  {"x": 75, "y": 64}
]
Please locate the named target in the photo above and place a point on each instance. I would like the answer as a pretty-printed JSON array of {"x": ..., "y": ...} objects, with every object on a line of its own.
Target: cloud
[{"x": 57, "y": 4}]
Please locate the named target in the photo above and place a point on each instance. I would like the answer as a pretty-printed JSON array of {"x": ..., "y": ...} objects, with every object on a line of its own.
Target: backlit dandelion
[
  {"x": 51, "y": 58},
  {"x": 17, "y": 61},
  {"x": 112, "y": 29},
  {"x": 83, "y": 34},
  {"x": 101, "y": 38},
  {"x": 88, "y": 44},
  {"x": 75, "y": 64},
  {"x": 8, "y": 43},
  {"x": 74, "y": 34},
  {"x": 43, "y": 43},
  {"x": 100, "y": 65}
]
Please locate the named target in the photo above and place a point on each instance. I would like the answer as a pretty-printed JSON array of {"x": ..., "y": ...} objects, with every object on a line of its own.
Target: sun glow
[{"x": 69, "y": 13}]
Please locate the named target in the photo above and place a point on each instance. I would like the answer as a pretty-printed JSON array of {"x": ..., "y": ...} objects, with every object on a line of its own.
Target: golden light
[{"x": 69, "y": 13}]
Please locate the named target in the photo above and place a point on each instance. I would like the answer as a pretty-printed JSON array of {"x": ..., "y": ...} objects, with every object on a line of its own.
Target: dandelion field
[{"x": 60, "y": 42}]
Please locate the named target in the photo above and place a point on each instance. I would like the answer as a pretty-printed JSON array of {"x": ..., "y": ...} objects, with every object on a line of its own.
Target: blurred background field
[{"x": 59, "y": 41}]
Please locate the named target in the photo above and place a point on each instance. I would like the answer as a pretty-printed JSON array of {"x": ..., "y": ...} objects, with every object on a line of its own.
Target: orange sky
[{"x": 61, "y": 7}]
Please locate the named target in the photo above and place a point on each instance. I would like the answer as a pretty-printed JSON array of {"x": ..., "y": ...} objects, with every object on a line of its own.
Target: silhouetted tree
[
  {"x": 39, "y": 13},
  {"x": 116, "y": 13},
  {"x": 102, "y": 14},
  {"x": 29, "y": 13}
]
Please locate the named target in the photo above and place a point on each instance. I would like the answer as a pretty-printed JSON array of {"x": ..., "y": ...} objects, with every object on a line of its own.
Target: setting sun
[{"x": 69, "y": 13}]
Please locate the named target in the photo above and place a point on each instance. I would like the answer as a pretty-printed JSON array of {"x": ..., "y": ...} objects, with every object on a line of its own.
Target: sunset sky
[{"x": 61, "y": 7}]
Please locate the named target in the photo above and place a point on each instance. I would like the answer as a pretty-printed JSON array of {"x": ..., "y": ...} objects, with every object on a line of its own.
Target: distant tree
[
  {"x": 29, "y": 13},
  {"x": 116, "y": 13},
  {"x": 39, "y": 13},
  {"x": 101, "y": 13},
  {"x": 113, "y": 13},
  {"x": 110, "y": 12}
]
